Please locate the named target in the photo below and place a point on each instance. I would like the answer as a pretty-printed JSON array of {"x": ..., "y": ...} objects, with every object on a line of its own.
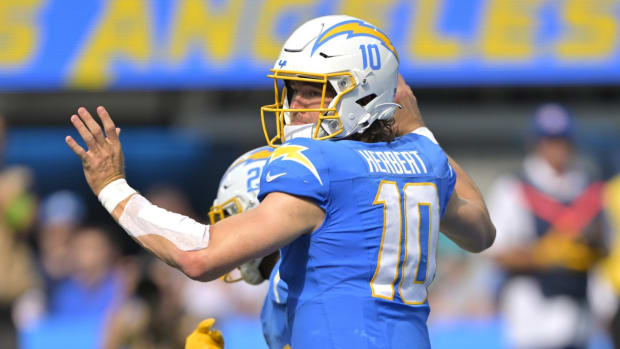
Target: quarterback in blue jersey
[
  {"x": 358, "y": 281},
  {"x": 357, "y": 217}
]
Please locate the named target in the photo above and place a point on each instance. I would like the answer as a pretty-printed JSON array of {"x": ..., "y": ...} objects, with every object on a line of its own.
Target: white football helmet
[
  {"x": 238, "y": 192},
  {"x": 343, "y": 53}
]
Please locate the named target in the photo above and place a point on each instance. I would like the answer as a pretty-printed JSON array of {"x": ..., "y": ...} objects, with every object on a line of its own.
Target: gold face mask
[
  {"x": 330, "y": 116},
  {"x": 228, "y": 208},
  {"x": 229, "y": 278}
]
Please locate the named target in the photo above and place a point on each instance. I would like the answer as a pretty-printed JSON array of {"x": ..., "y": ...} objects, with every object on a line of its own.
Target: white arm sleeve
[{"x": 141, "y": 217}]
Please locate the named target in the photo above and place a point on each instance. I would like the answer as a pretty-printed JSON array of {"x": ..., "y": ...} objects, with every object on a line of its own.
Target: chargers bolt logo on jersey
[
  {"x": 354, "y": 28},
  {"x": 293, "y": 153}
]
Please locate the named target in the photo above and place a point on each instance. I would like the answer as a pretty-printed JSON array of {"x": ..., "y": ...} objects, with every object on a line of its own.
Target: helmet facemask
[
  {"x": 228, "y": 208},
  {"x": 328, "y": 124}
]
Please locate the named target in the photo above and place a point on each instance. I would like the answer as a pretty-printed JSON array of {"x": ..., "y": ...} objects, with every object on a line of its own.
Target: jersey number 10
[
  {"x": 370, "y": 56},
  {"x": 414, "y": 220}
]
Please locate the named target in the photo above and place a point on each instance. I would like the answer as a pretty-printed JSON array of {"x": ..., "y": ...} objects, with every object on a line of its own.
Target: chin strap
[{"x": 298, "y": 131}]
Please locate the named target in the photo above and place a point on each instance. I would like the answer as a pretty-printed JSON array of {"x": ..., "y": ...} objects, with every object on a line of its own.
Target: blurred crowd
[
  {"x": 71, "y": 281},
  {"x": 552, "y": 279}
]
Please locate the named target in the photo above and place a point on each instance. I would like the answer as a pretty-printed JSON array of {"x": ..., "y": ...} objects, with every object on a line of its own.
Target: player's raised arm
[
  {"x": 467, "y": 221},
  {"x": 201, "y": 251},
  {"x": 279, "y": 219}
]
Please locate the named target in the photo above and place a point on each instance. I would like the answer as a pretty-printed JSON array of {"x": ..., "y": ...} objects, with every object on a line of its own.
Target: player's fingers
[
  {"x": 403, "y": 86},
  {"x": 83, "y": 131},
  {"x": 92, "y": 125},
  {"x": 77, "y": 149},
  {"x": 118, "y": 131},
  {"x": 108, "y": 124}
]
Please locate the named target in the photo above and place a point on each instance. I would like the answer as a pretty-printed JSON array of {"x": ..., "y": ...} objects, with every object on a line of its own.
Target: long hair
[{"x": 379, "y": 131}]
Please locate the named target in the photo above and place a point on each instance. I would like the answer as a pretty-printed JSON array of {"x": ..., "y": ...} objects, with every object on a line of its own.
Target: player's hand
[
  {"x": 103, "y": 161},
  {"x": 408, "y": 118},
  {"x": 250, "y": 271},
  {"x": 205, "y": 337}
]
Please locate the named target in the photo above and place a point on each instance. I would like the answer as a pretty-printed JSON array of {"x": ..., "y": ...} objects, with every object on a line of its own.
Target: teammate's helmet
[
  {"x": 344, "y": 54},
  {"x": 238, "y": 188},
  {"x": 238, "y": 192}
]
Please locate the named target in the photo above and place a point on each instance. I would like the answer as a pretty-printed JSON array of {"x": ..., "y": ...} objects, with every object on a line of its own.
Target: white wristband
[{"x": 115, "y": 192}]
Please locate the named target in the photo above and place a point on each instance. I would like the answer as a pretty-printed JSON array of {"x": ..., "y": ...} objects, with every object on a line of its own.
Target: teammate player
[
  {"x": 357, "y": 218},
  {"x": 238, "y": 192}
]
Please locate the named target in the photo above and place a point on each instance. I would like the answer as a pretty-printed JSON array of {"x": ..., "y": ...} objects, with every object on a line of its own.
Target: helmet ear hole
[{"x": 365, "y": 100}]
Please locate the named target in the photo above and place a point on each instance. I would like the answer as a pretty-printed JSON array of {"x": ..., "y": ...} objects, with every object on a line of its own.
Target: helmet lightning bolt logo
[
  {"x": 293, "y": 153},
  {"x": 257, "y": 155},
  {"x": 354, "y": 28}
]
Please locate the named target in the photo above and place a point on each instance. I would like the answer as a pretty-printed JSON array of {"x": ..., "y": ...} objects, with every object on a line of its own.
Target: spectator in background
[
  {"x": 93, "y": 285},
  {"x": 549, "y": 235},
  {"x": 17, "y": 267},
  {"x": 81, "y": 303},
  {"x": 60, "y": 213}
]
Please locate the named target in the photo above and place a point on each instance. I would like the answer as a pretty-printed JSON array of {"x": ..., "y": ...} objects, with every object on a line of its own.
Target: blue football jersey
[
  {"x": 273, "y": 315},
  {"x": 360, "y": 279}
]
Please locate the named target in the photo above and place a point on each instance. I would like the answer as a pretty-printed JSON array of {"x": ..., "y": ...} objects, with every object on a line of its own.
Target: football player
[
  {"x": 357, "y": 218},
  {"x": 238, "y": 192}
]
